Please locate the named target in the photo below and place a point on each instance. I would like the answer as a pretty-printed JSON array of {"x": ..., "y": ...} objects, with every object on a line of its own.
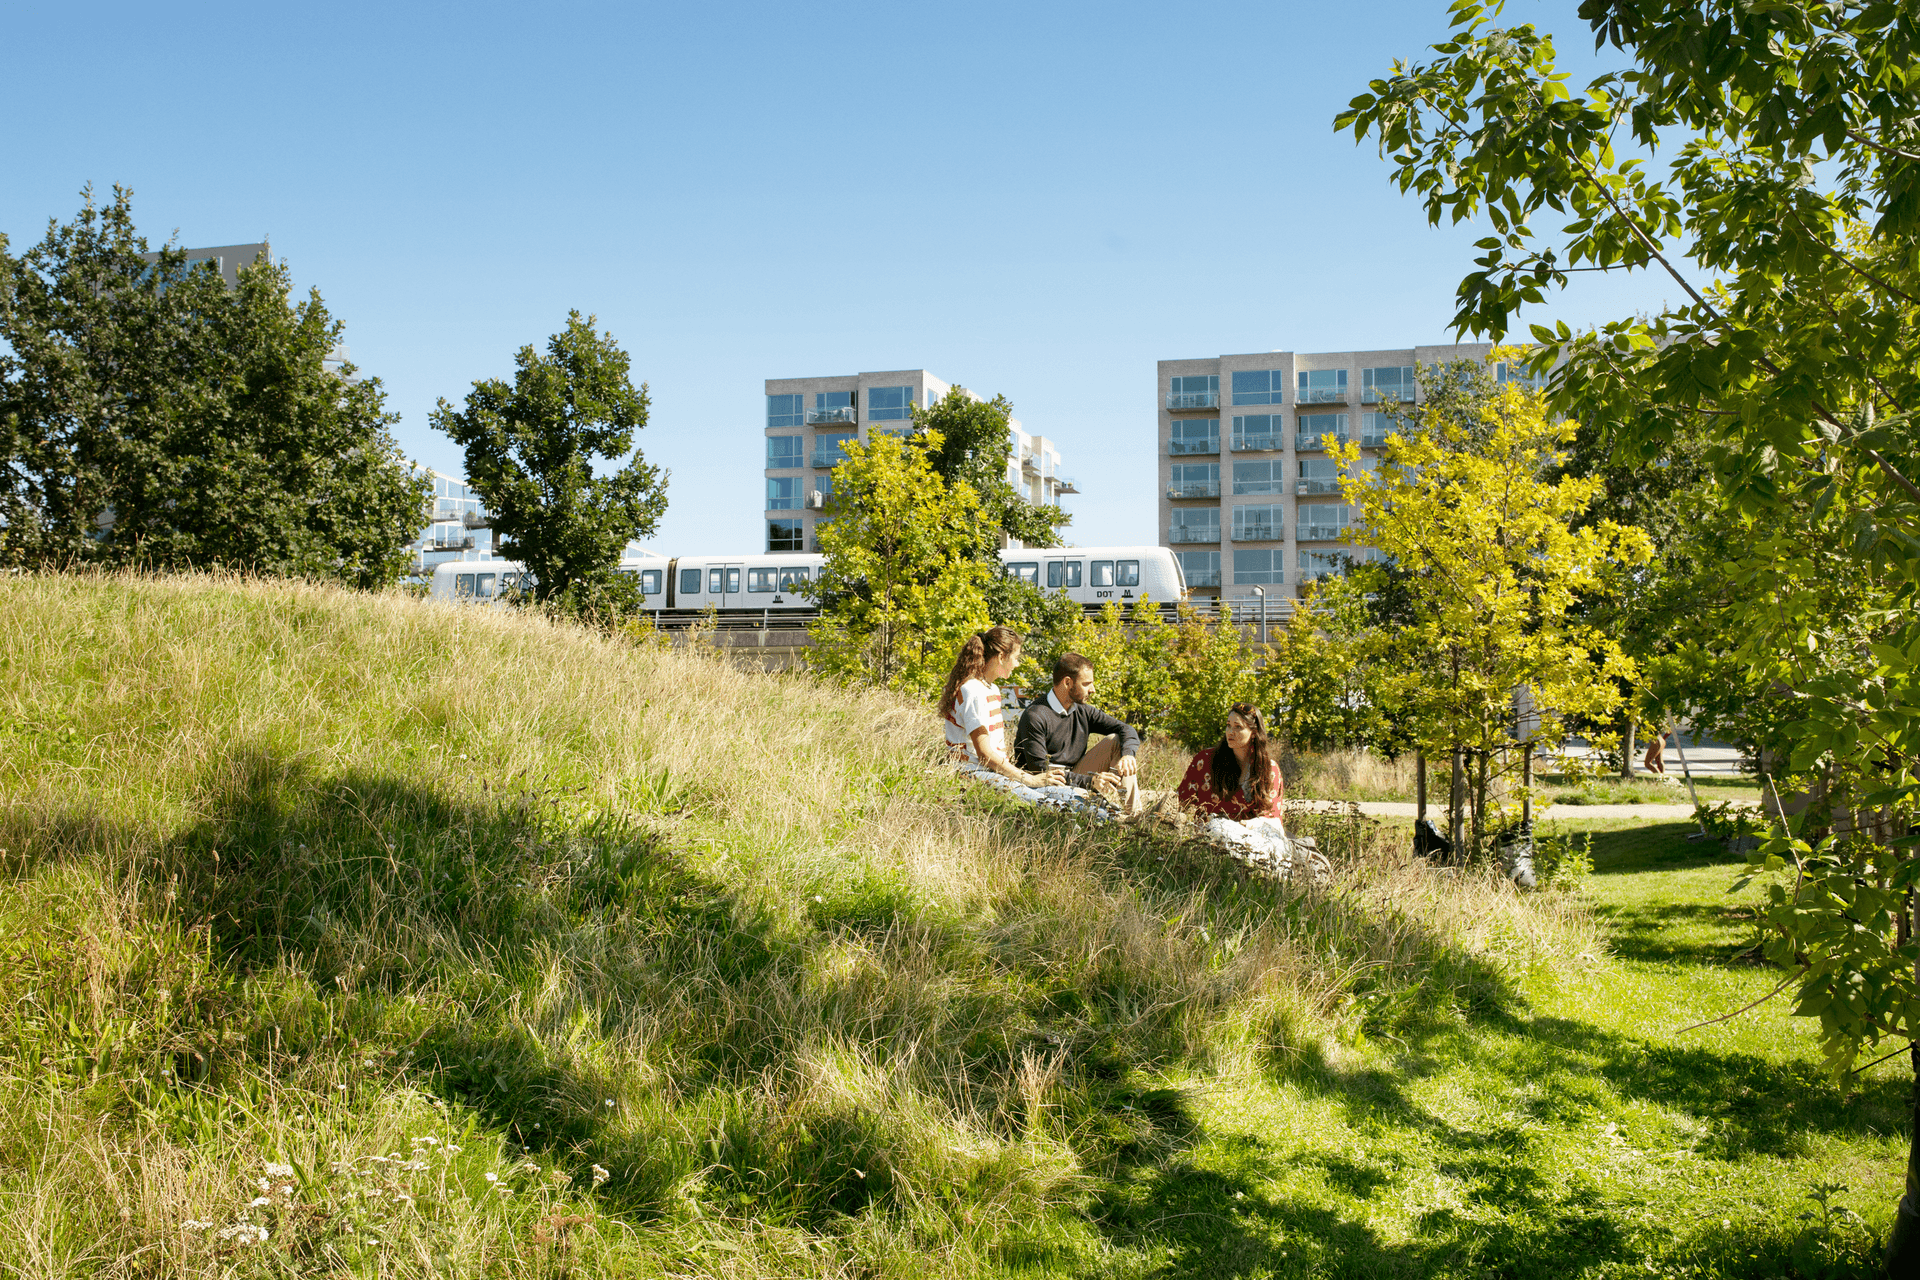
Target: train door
[{"x": 726, "y": 585}]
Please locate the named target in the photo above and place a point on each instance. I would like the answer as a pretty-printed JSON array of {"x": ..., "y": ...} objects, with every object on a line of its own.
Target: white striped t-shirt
[{"x": 977, "y": 706}]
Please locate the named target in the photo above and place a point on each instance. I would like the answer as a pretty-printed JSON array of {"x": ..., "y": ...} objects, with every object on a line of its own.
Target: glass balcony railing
[
  {"x": 1316, "y": 485},
  {"x": 1320, "y": 395},
  {"x": 1374, "y": 439},
  {"x": 1203, "y": 577},
  {"x": 830, "y": 457},
  {"x": 1194, "y": 489},
  {"x": 1319, "y": 532},
  {"x": 1194, "y": 533},
  {"x": 1311, "y": 439},
  {"x": 1259, "y": 533},
  {"x": 818, "y": 416},
  {"x": 1180, "y": 402},
  {"x": 1387, "y": 395},
  {"x": 1253, "y": 444},
  {"x": 1189, "y": 447}
]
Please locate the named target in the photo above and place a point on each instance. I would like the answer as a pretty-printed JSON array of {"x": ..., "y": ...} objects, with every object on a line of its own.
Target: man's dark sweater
[{"x": 1049, "y": 735}]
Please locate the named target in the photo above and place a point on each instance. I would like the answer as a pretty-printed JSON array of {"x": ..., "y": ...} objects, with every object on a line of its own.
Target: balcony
[
  {"x": 1029, "y": 465},
  {"x": 1320, "y": 395},
  {"x": 476, "y": 520},
  {"x": 1317, "y": 486},
  {"x": 1203, "y": 578},
  {"x": 1387, "y": 395},
  {"x": 1064, "y": 484},
  {"x": 1188, "y": 402},
  {"x": 1310, "y": 440},
  {"x": 826, "y": 417},
  {"x": 1194, "y": 489},
  {"x": 1188, "y": 448},
  {"x": 1254, "y": 444},
  {"x": 829, "y": 458},
  {"x": 449, "y": 544},
  {"x": 1319, "y": 532},
  {"x": 1374, "y": 439},
  {"x": 1259, "y": 533},
  {"x": 1194, "y": 533}
]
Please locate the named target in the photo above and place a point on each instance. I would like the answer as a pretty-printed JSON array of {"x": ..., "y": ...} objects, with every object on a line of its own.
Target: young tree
[
  {"x": 1788, "y": 223},
  {"x": 530, "y": 450},
  {"x": 1493, "y": 568},
  {"x": 902, "y": 587},
  {"x": 149, "y": 415},
  {"x": 976, "y": 447}
]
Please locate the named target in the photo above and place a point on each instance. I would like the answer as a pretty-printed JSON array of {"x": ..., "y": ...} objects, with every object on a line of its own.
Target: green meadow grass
[{"x": 352, "y": 935}]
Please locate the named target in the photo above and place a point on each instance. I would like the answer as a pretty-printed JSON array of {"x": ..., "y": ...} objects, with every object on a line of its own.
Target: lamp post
[{"x": 1262, "y": 593}]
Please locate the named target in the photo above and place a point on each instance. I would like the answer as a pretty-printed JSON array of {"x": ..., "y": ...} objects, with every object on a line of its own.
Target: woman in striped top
[{"x": 970, "y": 705}]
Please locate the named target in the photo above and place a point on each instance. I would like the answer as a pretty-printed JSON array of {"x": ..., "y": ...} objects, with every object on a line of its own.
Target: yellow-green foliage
[{"x": 306, "y": 889}]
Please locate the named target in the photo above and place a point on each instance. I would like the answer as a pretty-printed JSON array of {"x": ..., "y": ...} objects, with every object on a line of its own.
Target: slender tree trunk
[
  {"x": 1903, "y": 1242},
  {"x": 1456, "y": 806},
  {"x": 1627, "y": 746},
  {"x": 1419, "y": 785}
]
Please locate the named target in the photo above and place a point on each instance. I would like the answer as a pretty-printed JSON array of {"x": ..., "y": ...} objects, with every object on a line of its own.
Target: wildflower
[
  {"x": 426, "y": 1140},
  {"x": 609, "y": 1101},
  {"x": 414, "y": 1166},
  {"x": 194, "y": 1224},
  {"x": 599, "y": 1176},
  {"x": 451, "y": 1150},
  {"x": 493, "y": 1177},
  {"x": 279, "y": 1170},
  {"x": 243, "y": 1233},
  {"x": 261, "y": 1184},
  {"x": 258, "y": 1202},
  {"x": 527, "y": 1167},
  {"x": 342, "y": 1088}
]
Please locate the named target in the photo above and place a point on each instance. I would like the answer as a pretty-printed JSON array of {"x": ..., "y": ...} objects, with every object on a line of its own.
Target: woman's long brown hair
[
  {"x": 980, "y": 646},
  {"x": 1225, "y": 771}
]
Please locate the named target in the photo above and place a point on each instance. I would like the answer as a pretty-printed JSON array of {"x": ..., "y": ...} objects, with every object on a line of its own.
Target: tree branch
[
  {"x": 1743, "y": 1008},
  {"x": 1882, "y": 147}
]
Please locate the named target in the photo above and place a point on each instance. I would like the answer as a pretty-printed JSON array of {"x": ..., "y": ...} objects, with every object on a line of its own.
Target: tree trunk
[
  {"x": 1627, "y": 746},
  {"x": 1903, "y": 1242},
  {"x": 1419, "y": 785},
  {"x": 1456, "y": 808}
]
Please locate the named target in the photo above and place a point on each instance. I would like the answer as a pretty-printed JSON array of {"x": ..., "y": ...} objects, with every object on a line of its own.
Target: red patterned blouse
[{"x": 1196, "y": 791}]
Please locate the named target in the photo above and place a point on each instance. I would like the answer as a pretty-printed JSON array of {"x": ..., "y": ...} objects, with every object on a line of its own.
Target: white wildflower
[
  {"x": 243, "y": 1233},
  {"x": 450, "y": 1149},
  {"x": 426, "y": 1140},
  {"x": 262, "y": 1184},
  {"x": 599, "y": 1176},
  {"x": 279, "y": 1170},
  {"x": 493, "y": 1177},
  {"x": 258, "y": 1202},
  {"x": 194, "y": 1224},
  {"x": 609, "y": 1101},
  {"x": 414, "y": 1166}
]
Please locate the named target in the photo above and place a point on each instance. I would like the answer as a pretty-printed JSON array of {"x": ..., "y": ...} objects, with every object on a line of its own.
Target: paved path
[{"x": 1556, "y": 812}]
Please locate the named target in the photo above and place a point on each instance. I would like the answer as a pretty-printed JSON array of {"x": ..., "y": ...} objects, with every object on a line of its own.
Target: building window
[
  {"x": 1512, "y": 371},
  {"x": 1259, "y": 568},
  {"x": 783, "y": 493},
  {"x": 831, "y": 407},
  {"x": 1259, "y": 386},
  {"x": 1376, "y": 427},
  {"x": 823, "y": 485},
  {"x": 1259, "y": 477},
  {"x": 1194, "y": 480},
  {"x": 783, "y": 451},
  {"x": 1321, "y": 522},
  {"x": 1318, "y": 475},
  {"x": 1260, "y": 524},
  {"x": 1387, "y": 385},
  {"x": 1321, "y": 386},
  {"x": 831, "y": 450},
  {"x": 1315, "y": 425},
  {"x": 1200, "y": 568},
  {"x": 1195, "y": 524},
  {"x": 1194, "y": 391},
  {"x": 784, "y": 535},
  {"x": 1259, "y": 431},
  {"x": 1194, "y": 435},
  {"x": 785, "y": 411},
  {"x": 888, "y": 404}
]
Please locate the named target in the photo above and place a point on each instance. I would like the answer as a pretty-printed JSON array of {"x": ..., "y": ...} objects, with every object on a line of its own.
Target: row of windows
[
  {"x": 1261, "y": 522},
  {"x": 1265, "y": 566},
  {"x": 1066, "y": 573},
  {"x": 1202, "y": 479},
  {"x": 884, "y": 404},
  {"x": 1268, "y": 386},
  {"x": 1256, "y": 432},
  {"x": 726, "y": 581},
  {"x": 829, "y": 450},
  {"x": 784, "y": 493}
]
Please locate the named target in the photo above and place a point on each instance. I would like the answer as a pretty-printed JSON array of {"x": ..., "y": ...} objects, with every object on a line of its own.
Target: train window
[
  {"x": 715, "y": 580},
  {"x": 508, "y": 581},
  {"x": 1129, "y": 573},
  {"x": 1054, "y": 575},
  {"x": 1029, "y": 571},
  {"x": 463, "y": 585},
  {"x": 650, "y": 582},
  {"x": 689, "y": 582},
  {"x": 794, "y": 579},
  {"x": 1103, "y": 573},
  {"x": 763, "y": 581},
  {"x": 629, "y": 572},
  {"x": 733, "y": 582},
  {"x": 485, "y": 586},
  {"x": 1073, "y": 572}
]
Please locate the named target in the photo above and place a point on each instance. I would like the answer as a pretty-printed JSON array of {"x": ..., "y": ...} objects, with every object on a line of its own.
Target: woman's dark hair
[
  {"x": 1225, "y": 772},
  {"x": 980, "y": 646}
]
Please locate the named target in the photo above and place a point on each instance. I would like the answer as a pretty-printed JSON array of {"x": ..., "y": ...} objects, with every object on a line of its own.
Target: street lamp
[{"x": 1262, "y": 593}]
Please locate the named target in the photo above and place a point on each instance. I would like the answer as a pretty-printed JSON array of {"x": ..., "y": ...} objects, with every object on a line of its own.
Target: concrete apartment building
[
  {"x": 1248, "y": 496},
  {"x": 809, "y": 419}
]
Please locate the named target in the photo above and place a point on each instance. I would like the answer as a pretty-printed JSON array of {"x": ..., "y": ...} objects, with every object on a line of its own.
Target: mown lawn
[{"x": 1582, "y": 1131}]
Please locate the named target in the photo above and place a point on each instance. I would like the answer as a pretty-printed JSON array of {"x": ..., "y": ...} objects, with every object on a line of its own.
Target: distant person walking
[{"x": 1656, "y": 757}]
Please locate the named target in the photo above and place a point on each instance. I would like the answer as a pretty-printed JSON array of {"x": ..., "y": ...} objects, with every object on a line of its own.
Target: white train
[{"x": 1090, "y": 575}]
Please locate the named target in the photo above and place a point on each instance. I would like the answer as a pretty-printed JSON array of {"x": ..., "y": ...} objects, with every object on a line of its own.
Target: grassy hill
[{"x": 429, "y": 941}]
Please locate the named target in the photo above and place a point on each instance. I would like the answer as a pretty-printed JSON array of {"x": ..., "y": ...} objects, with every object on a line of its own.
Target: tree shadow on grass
[
  {"x": 1661, "y": 846},
  {"x": 1646, "y": 932}
]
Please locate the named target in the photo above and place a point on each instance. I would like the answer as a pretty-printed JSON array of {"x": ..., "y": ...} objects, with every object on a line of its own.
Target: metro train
[{"x": 1089, "y": 575}]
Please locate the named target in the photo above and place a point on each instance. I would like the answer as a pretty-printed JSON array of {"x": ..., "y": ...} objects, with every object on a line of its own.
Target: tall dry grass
[{"x": 679, "y": 954}]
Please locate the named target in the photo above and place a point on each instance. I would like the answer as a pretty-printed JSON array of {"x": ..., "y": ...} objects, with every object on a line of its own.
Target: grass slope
[{"x": 349, "y": 935}]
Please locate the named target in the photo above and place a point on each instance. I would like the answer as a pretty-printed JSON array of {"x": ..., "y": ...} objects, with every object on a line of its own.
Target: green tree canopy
[
  {"x": 530, "y": 449},
  {"x": 976, "y": 447},
  {"x": 149, "y": 415}
]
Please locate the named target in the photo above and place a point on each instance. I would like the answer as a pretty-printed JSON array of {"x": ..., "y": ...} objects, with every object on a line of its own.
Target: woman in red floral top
[{"x": 1237, "y": 779}]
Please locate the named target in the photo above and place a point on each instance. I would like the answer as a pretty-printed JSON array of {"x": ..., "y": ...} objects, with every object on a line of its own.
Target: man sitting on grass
[{"x": 1054, "y": 732}]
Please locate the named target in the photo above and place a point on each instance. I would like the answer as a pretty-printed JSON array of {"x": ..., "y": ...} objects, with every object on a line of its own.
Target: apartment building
[
  {"x": 809, "y": 420},
  {"x": 1248, "y": 495},
  {"x": 459, "y": 529}
]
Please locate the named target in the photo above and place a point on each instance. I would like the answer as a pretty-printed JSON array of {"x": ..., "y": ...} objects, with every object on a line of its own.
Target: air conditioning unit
[{"x": 816, "y": 500}]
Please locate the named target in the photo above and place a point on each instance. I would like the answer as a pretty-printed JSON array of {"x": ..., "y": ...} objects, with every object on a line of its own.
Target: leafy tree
[
  {"x": 1323, "y": 695},
  {"x": 530, "y": 450},
  {"x": 149, "y": 415},
  {"x": 1131, "y": 652},
  {"x": 1494, "y": 567},
  {"x": 901, "y": 587},
  {"x": 976, "y": 447},
  {"x": 1788, "y": 222}
]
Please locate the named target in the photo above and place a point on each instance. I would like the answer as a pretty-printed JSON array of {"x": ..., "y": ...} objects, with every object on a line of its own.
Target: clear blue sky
[{"x": 1039, "y": 200}]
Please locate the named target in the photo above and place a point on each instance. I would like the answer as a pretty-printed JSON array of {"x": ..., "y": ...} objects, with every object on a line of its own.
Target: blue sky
[{"x": 1039, "y": 200}]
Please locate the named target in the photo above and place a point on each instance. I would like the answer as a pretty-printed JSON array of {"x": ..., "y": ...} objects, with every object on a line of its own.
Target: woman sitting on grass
[
  {"x": 1237, "y": 779},
  {"x": 970, "y": 705}
]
